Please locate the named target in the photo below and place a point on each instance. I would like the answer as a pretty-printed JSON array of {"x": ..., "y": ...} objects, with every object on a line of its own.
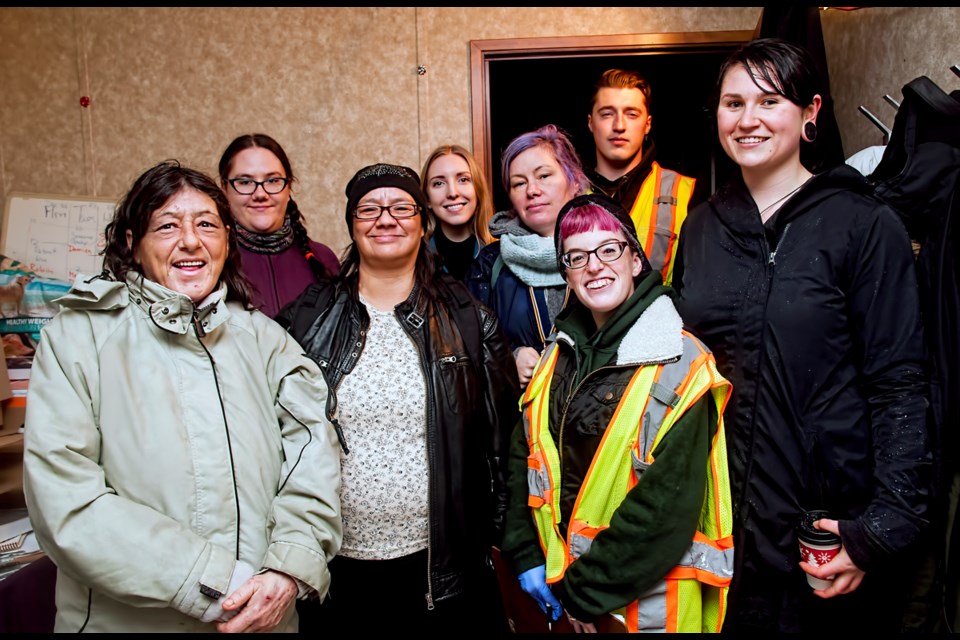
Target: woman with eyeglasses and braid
[{"x": 276, "y": 254}]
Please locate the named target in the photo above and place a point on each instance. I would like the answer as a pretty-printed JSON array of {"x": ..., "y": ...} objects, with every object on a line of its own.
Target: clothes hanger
[
  {"x": 956, "y": 70},
  {"x": 893, "y": 103},
  {"x": 884, "y": 129}
]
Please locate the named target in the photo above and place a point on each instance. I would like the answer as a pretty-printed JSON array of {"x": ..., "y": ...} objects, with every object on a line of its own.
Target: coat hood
[
  {"x": 95, "y": 292},
  {"x": 655, "y": 336},
  {"x": 171, "y": 311}
]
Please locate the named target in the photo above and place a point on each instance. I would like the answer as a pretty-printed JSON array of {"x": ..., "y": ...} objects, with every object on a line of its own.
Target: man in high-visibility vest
[
  {"x": 626, "y": 170},
  {"x": 619, "y": 499}
]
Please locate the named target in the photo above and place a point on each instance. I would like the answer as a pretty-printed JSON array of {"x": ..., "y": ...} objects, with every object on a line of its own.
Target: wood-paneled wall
[{"x": 338, "y": 87}]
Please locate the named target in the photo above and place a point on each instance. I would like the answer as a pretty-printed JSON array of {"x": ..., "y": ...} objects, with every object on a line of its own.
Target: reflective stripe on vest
[
  {"x": 543, "y": 467},
  {"x": 692, "y": 596},
  {"x": 658, "y": 213}
]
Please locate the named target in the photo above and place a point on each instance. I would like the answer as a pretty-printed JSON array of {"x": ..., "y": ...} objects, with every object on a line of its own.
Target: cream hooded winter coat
[{"x": 160, "y": 448}]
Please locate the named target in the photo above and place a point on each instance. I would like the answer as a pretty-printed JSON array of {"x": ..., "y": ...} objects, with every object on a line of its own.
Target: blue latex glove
[{"x": 534, "y": 583}]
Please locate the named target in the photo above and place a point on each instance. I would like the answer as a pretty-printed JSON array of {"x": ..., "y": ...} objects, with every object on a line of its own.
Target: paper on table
[{"x": 14, "y": 528}]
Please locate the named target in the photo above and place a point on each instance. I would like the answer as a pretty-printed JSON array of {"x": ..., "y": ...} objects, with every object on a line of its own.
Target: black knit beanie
[
  {"x": 613, "y": 208},
  {"x": 384, "y": 175}
]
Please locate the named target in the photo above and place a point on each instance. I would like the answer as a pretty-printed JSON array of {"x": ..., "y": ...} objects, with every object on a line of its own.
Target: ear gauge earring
[{"x": 810, "y": 131}]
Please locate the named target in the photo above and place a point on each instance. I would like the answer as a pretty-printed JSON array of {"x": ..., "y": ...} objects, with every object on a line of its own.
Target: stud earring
[{"x": 810, "y": 131}]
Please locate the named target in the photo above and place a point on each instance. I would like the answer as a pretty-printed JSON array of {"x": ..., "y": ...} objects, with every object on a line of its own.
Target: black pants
[
  {"x": 874, "y": 609},
  {"x": 390, "y": 595}
]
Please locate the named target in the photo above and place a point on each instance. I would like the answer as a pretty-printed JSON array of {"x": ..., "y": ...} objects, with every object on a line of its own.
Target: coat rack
[{"x": 884, "y": 129}]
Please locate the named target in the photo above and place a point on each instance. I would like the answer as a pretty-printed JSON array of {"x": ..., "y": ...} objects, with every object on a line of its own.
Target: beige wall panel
[
  {"x": 876, "y": 51},
  {"x": 336, "y": 87},
  {"x": 41, "y": 120},
  {"x": 445, "y": 35}
]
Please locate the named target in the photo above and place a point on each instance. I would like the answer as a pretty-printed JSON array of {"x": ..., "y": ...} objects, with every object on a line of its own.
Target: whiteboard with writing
[{"x": 56, "y": 236}]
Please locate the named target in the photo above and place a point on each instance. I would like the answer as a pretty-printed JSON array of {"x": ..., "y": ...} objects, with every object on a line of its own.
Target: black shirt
[{"x": 456, "y": 256}]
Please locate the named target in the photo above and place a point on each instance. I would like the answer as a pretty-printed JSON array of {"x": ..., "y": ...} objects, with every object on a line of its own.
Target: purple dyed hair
[
  {"x": 591, "y": 217},
  {"x": 558, "y": 143}
]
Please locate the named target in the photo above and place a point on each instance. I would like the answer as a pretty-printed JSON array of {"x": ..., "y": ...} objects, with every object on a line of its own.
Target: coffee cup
[{"x": 817, "y": 547}]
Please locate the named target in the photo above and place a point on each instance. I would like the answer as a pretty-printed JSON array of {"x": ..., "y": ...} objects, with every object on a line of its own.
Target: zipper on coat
[
  {"x": 332, "y": 391},
  {"x": 743, "y": 503},
  {"x": 201, "y": 332},
  {"x": 226, "y": 427},
  {"x": 332, "y": 410},
  {"x": 431, "y": 445},
  {"x": 772, "y": 258}
]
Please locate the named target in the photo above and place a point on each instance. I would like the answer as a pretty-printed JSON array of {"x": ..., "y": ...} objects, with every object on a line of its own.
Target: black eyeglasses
[
  {"x": 399, "y": 211},
  {"x": 246, "y": 186},
  {"x": 607, "y": 252}
]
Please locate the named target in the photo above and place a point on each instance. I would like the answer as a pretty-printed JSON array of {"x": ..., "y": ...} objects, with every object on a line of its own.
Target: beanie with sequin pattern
[{"x": 380, "y": 175}]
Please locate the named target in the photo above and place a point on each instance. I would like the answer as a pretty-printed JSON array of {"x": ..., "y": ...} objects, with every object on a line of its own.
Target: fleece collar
[{"x": 655, "y": 337}]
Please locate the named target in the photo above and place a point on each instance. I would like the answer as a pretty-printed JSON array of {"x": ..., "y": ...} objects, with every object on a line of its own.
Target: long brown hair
[{"x": 484, "y": 212}]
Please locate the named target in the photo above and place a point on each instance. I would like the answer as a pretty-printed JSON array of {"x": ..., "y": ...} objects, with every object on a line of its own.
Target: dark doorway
[{"x": 526, "y": 92}]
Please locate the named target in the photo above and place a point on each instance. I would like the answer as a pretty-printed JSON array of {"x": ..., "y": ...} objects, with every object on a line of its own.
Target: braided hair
[{"x": 320, "y": 271}]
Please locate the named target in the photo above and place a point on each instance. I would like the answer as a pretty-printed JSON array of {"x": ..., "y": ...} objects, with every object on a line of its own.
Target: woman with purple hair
[{"x": 518, "y": 277}]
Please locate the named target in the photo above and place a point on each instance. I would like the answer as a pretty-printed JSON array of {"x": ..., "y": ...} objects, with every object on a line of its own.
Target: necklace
[{"x": 781, "y": 199}]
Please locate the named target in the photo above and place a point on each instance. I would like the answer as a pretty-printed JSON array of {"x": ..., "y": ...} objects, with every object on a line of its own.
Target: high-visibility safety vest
[
  {"x": 658, "y": 212},
  {"x": 692, "y": 596}
]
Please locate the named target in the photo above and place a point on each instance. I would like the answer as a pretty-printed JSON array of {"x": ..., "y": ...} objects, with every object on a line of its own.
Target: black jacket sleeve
[
  {"x": 502, "y": 394},
  {"x": 884, "y": 301}
]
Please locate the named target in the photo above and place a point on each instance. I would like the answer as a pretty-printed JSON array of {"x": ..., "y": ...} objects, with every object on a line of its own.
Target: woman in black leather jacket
[{"x": 424, "y": 393}]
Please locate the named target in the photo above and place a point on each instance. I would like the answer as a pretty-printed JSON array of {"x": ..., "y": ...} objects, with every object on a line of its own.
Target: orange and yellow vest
[
  {"x": 692, "y": 596},
  {"x": 658, "y": 212}
]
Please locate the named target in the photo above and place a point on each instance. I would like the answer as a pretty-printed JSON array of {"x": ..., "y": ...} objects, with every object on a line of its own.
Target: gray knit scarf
[
  {"x": 532, "y": 258},
  {"x": 269, "y": 243}
]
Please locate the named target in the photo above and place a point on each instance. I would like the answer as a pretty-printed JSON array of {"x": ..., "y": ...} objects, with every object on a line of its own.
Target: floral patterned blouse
[{"x": 385, "y": 478}]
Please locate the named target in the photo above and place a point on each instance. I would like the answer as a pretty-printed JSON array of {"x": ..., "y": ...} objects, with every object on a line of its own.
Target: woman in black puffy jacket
[{"x": 803, "y": 286}]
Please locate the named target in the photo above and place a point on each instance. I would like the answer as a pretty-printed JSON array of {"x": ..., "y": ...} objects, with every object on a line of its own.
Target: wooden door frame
[{"x": 483, "y": 52}]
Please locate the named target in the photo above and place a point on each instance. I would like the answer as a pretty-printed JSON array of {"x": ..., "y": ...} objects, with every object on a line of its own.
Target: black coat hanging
[{"x": 919, "y": 174}]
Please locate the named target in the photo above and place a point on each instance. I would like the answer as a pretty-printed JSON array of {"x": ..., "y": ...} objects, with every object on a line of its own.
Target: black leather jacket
[{"x": 471, "y": 407}]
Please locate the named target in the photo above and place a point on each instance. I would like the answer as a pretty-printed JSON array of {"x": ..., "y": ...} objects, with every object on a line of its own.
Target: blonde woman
[{"x": 460, "y": 205}]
